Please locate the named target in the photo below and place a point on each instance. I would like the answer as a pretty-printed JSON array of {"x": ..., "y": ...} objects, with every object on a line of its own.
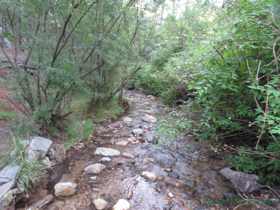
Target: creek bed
[{"x": 191, "y": 177}]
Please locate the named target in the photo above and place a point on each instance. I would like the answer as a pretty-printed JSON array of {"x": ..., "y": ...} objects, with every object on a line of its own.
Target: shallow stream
[{"x": 190, "y": 176}]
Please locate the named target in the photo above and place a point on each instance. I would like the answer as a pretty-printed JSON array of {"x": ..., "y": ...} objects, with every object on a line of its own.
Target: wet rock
[
  {"x": 138, "y": 131},
  {"x": 170, "y": 195},
  {"x": 105, "y": 159},
  {"x": 152, "y": 140},
  {"x": 46, "y": 161},
  {"x": 241, "y": 181},
  {"x": 38, "y": 146},
  {"x": 129, "y": 194},
  {"x": 65, "y": 189},
  {"x": 149, "y": 119},
  {"x": 127, "y": 119},
  {"x": 121, "y": 205},
  {"x": 122, "y": 143},
  {"x": 6, "y": 187},
  {"x": 8, "y": 173},
  {"x": 60, "y": 152},
  {"x": 100, "y": 204},
  {"x": 95, "y": 168},
  {"x": 125, "y": 154},
  {"x": 41, "y": 203},
  {"x": 106, "y": 152},
  {"x": 148, "y": 175}
]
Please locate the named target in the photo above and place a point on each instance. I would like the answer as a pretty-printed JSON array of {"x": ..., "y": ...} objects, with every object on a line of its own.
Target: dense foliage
[
  {"x": 85, "y": 48},
  {"x": 229, "y": 81}
]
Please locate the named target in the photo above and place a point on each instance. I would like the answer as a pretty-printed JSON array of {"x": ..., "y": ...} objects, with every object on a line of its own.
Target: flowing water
[{"x": 190, "y": 176}]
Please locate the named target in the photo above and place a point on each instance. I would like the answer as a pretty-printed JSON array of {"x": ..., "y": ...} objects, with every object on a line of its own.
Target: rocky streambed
[{"x": 121, "y": 168}]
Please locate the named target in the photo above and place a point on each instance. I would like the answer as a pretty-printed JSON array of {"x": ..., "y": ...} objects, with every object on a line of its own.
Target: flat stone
[
  {"x": 148, "y": 175},
  {"x": 125, "y": 154},
  {"x": 105, "y": 159},
  {"x": 95, "y": 168},
  {"x": 121, "y": 205},
  {"x": 137, "y": 131},
  {"x": 9, "y": 172},
  {"x": 6, "y": 187},
  {"x": 3, "y": 180},
  {"x": 40, "y": 144},
  {"x": 122, "y": 143},
  {"x": 100, "y": 204},
  {"x": 106, "y": 152},
  {"x": 65, "y": 189}
]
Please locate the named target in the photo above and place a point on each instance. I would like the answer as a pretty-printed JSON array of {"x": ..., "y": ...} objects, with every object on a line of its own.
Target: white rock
[
  {"x": 95, "y": 168},
  {"x": 170, "y": 195},
  {"x": 127, "y": 119},
  {"x": 129, "y": 140},
  {"x": 122, "y": 143},
  {"x": 100, "y": 204},
  {"x": 65, "y": 188},
  {"x": 149, "y": 175},
  {"x": 106, "y": 152},
  {"x": 137, "y": 131},
  {"x": 46, "y": 161},
  {"x": 121, "y": 205},
  {"x": 149, "y": 119}
]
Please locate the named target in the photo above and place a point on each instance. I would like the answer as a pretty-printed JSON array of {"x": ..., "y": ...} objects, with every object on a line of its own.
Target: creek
[{"x": 190, "y": 175}]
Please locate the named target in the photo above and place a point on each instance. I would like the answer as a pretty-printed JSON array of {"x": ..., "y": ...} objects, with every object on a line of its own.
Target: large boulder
[
  {"x": 103, "y": 151},
  {"x": 241, "y": 181}
]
